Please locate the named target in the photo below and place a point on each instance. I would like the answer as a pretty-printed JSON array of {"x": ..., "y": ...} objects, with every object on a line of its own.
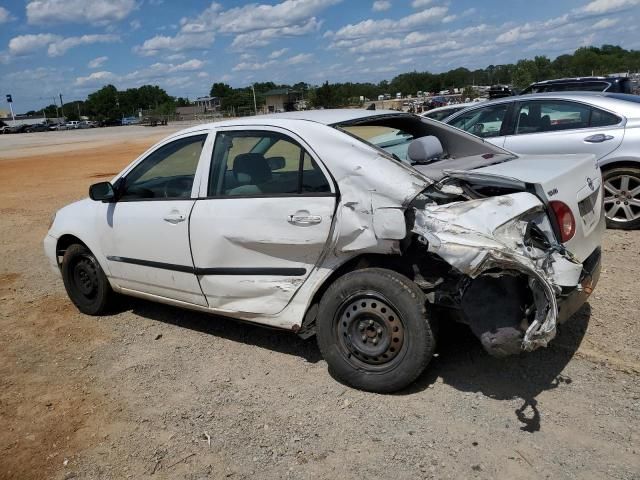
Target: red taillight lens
[{"x": 565, "y": 219}]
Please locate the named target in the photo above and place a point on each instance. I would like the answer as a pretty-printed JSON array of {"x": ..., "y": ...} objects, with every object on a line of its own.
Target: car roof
[
  {"x": 621, "y": 103},
  {"x": 448, "y": 107},
  {"x": 577, "y": 79},
  {"x": 324, "y": 117}
]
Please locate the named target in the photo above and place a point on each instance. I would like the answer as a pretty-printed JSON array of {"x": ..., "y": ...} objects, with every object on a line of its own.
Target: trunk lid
[{"x": 572, "y": 179}]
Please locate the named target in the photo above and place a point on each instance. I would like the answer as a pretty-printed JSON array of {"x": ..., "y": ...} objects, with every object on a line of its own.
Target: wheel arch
[
  {"x": 359, "y": 262},
  {"x": 621, "y": 163}
]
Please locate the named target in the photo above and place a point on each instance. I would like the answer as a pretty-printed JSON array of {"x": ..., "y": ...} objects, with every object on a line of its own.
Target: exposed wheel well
[
  {"x": 64, "y": 242},
  {"x": 390, "y": 262}
]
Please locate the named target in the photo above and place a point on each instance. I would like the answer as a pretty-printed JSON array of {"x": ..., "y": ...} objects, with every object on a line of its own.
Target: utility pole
[
  {"x": 55, "y": 103},
  {"x": 78, "y": 105},
  {"x": 61, "y": 106},
  {"x": 255, "y": 106},
  {"x": 10, "y": 102}
]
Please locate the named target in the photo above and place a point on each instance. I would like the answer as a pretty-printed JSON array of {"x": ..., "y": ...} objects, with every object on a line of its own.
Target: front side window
[
  {"x": 262, "y": 163},
  {"x": 550, "y": 116},
  {"x": 167, "y": 173},
  {"x": 483, "y": 122}
]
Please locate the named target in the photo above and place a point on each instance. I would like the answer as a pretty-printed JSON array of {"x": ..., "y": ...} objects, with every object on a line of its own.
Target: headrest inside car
[{"x": 424, "y": 149}]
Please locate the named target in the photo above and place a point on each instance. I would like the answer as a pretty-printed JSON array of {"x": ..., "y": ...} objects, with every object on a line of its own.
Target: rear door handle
[
  {"x": 304, "y": 220},
  {"x": 175, "y": 217},
  {"x": 598, "y": 138}
]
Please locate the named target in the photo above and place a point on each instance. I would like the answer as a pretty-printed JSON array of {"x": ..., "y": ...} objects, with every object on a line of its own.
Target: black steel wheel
[
  {"x": 373, "y": 330},
  {"x": 84, "y": 280}
]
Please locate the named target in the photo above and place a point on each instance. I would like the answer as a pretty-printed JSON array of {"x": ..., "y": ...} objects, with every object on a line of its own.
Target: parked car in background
[
  {"x": 73, "y": 124},
  {"x": 298, "y": 221},
  {"x": 604, "y": 124},
  {"x": 58, "y": 126},
  {"x": 585, "y": 84},
  {"x": 38, "y": 127},
  {"x": 441, "y": 113}
]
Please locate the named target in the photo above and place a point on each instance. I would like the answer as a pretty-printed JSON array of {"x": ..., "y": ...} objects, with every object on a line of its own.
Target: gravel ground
[{"x": 156, "y": 392}]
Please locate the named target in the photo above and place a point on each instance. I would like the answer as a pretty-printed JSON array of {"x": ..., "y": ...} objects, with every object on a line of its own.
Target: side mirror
[
  {"x": 102, "y": 192},
  {"x": 276, "y": 163}
]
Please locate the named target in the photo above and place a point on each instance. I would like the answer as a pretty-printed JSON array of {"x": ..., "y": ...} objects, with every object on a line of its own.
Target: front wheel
[
  {"x": 84, "y": 280},
  {"x": 622, "y": 197},
  {"x": 373, "y": 330}
]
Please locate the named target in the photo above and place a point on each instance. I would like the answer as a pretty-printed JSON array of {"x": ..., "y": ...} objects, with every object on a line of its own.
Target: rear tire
[
  {"x": 373, "y": 330},
  {"x": 622, "y": 197},
  {"x": 85, "y": 281}
]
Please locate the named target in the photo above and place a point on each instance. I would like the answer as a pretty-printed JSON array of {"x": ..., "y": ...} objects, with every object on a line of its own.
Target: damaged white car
[{"x": 364, "y": 228}]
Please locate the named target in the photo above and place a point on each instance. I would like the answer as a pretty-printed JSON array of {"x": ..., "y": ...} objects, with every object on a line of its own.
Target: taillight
[{"x": 565, "y": 219}]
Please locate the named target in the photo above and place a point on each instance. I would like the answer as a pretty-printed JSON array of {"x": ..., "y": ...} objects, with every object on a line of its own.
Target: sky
[{"x": 74, "y": 47}]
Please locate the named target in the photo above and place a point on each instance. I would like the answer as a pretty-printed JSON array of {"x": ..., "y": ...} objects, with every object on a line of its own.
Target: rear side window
[
  {"x": 551, "y": 116},
  {"x": 600, "y": 118},
  {"x": 248, "y": 163}
]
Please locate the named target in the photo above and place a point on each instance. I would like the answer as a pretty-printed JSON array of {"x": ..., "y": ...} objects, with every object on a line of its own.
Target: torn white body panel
[{"x": 482, "y": 235}]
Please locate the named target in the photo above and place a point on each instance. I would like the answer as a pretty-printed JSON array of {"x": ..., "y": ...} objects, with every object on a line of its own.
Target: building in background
[{"x": 281, "y": 100}]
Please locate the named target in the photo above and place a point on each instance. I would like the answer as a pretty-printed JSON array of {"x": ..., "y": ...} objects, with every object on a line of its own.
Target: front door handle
[
  {"x": 598, "y": 138},
  {"x": 304, "y": 219},
  {"x": 175, "y": 217}
]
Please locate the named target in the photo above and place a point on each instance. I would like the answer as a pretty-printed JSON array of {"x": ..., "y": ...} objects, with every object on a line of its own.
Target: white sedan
[{"x": 300, "y": 221}]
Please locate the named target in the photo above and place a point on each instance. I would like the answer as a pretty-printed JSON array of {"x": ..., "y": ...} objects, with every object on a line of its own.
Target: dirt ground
[{"x": 156, "y": 392}]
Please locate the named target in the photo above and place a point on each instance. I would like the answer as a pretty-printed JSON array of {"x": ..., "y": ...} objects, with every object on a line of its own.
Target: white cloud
[
  {"x": 95, "y": 79},
  {"x": 261, "y": 38},
  {"x": 26, "y": 44},
  {"x": 55, "y": 44},
  {"x": 5, "y": 16},
  {"x": 177, "y": 43},
  {"x": 96, "y": 12},
  {"x": 605, "y": 6},
  {"x": 377, "y": 28},
  {"x": 300, "y": 58},
  {"x": 605, "y": 23},
  {"x": 381, "y": 5},
  {"x": 97, "y": 62},
  {"x": 135, "y": 24},
  {"x": 60, "y": 47},
  {"x": 254, "y": 17},
  {"x": 253, "y": 25},
  {"x": 278, "y": 53},
  {"x": 250, "y": 66},
  {"x": 421, "y": 3}
]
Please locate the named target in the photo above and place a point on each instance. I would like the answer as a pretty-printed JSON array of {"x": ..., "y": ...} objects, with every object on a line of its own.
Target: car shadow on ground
[
  {"x": 460, "y": 360},
  {"x": 462, "y": 363},
  {"x": 272, "y": 339}
]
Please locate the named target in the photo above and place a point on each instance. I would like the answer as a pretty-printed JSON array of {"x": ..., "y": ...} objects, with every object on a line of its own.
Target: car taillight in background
[{"x": 565, "y": 219}]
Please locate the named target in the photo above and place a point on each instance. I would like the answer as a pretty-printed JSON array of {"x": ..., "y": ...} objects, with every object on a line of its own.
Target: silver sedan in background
[{"x": 605, "y": 124}]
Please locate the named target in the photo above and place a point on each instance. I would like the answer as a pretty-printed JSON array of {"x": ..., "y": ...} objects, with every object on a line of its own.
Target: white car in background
[
  {"x": 299, "y": 221},
  {"x": 441, "y": 113},
  {"x": 606, "y": 125}
]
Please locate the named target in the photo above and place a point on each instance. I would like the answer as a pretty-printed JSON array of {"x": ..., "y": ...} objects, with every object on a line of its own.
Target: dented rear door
[{"x": 258, "y": 234}]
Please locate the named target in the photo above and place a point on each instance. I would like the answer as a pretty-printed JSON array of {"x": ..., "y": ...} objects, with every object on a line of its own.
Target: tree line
[{"x": 109, "y": 103}]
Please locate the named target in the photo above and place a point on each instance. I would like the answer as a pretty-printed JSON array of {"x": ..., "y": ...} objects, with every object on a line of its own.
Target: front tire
[
  {"x": 622, "y": 197},
  {"x": 85, "y": 281},
  {"x": 373, "y": 330}
]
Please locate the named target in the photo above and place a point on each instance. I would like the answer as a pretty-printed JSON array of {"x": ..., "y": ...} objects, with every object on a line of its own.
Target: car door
[
  {"x": 488, "y": 121},
  {"x": 264, "y": 223},
  {"x": 145, "y": 233},
  {"x": 563, "y": 126}
]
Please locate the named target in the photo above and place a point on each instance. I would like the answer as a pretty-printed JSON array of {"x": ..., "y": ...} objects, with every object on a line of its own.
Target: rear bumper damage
[{"x": 509, "y": 236}]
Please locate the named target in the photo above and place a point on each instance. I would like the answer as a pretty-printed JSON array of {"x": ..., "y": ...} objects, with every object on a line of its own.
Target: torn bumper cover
[{"x": 493, "y": 236}]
